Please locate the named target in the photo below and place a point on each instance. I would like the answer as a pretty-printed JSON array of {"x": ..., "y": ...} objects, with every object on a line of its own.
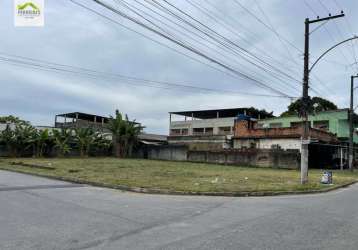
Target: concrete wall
[
  {"x": 203, "y": 142},
  {"x": 166, "y": 152},
  {"x": 284, "y": 143},
  {"x": 247, "y": 157},
  {"x": 262, "y": 158}
]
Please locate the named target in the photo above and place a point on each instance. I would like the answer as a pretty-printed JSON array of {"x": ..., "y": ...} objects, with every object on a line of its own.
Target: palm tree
[
  {"x": 85, "y": 138},
  {"x": 61, "y": 139}
]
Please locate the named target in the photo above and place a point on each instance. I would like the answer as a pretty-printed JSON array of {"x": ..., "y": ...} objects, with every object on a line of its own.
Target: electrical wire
[
  {"x": 63, "y": 68},
  {"x": 195, "y": 51}
]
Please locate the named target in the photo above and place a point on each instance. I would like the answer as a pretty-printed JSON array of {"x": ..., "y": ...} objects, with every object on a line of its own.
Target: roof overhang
[{"x": 222, "y": 113}]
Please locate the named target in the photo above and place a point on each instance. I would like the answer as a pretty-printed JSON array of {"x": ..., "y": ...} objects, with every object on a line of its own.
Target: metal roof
[
  {"x": 223, "y": 113},
  {"x": 84, "y": 116}
]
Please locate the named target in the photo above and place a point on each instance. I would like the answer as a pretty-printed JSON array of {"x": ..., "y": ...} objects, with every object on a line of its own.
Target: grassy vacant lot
[{"x": 176, "y": 176}]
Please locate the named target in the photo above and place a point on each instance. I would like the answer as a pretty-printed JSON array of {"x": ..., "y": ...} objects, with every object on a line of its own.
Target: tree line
[{"x": 21, "y": 138}]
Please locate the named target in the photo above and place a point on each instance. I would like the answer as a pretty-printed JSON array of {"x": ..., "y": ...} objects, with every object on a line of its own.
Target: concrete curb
[{"x": 169, "y": 192}]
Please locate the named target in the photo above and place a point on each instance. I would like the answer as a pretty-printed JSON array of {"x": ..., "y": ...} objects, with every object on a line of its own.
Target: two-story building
[
  {"x": 334, "y": 121},
  {"x": 207, "y": 129}
]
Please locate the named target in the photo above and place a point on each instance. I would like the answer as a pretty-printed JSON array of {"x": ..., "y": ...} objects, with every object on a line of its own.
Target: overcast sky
[{"x": 77, "y": 37}]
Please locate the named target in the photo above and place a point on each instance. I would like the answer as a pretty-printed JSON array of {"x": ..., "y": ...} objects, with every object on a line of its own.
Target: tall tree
[
  {"x": 124, "y": 134},
  {"x": 316, "y": 104}
]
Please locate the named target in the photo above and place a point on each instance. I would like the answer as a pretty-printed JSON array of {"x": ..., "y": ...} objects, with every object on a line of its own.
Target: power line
[
  {"x": 135, "y": 10},
  {"x": 340, "y": 33},
  {"x": 281, "y": 38},
  {"x": 63, "y": 68},
  {"x": 233, "y": 49},
  {"x": 153, "y": 40},
  {"x": 267, "y": 26},
  {"x": 245, "y": 50},
  {"x": 214, "y": 33},
  {"x": 195, "y": 51},
  {"x": 238, "y": 25},
  {"x": 330, "y": 35},
  {"x": 275, "y": 31},
  {"x": 350, "y": 31}
]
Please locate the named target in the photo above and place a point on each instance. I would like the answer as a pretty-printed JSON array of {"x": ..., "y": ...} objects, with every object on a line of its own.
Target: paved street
[{"x": 37, "y": 213}]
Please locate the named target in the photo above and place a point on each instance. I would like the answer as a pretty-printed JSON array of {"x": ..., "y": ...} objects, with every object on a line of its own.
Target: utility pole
[
  {"x": 351, "y": 115},
  {"x": 305, "y": 97}
]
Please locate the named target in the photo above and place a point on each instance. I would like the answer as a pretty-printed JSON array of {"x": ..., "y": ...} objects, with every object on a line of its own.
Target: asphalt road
[{"x": 37, "y": 213}]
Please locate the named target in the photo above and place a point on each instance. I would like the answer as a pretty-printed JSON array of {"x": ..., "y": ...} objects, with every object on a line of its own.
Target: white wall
[
  {"x": 205, "y": 123},
  {"x": 284, "y": 143}
]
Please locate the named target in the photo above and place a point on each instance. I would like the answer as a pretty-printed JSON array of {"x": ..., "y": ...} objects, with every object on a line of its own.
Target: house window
[
  {"x": 209, "y": 131},
  {"x": 296, "y": 124},
  {"x": 198, "y": 131},
  {"x": 175, "y": 132},
  {"x": 324, "y": 125},
  {"x": 185, "y": 131},
  {"x": 276, "y": 125},
  {"x": 224, "y": 130}
]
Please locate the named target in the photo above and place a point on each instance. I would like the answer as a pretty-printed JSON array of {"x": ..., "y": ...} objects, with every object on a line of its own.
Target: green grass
[{"x": 177, "y": 176}]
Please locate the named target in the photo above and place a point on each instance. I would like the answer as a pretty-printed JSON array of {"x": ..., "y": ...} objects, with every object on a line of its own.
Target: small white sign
[{"x": 29, "y": 13}]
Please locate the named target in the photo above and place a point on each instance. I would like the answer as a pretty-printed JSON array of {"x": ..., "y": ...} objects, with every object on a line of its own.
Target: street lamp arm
[{"x": 327, "y": 51}]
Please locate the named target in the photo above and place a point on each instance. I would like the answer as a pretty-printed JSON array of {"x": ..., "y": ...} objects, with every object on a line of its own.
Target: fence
[{"x": 249, "y": 157}]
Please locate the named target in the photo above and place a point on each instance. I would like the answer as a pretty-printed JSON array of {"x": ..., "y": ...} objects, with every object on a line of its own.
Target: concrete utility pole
[
  {"x": 306, "y": 99},
  {"x": 351, "y": 115}
]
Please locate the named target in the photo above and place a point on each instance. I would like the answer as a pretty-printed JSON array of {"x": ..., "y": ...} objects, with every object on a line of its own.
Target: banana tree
[
  {"x": 17, "y": 137},
  {"x": 41, "y": 139},
  {"x": 61, "y": 140},
  {"x": 8, "y": 138},
  {"x": 85, "y": 138},
  {"x": 124, "y": 134},
  {"x": 117, "y": 126}
]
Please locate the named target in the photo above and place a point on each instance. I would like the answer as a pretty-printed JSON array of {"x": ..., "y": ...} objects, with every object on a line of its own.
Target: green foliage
[
  {"x": 20, "y": 137},
  {"x": 41, "y": 139},
  {"x": 101, "y": 143},
  {"x": 255, "y": 113},
  {"x": 316, "y": 104},
  {"x": 12, "y": 119},
  {"x": 17, "y": 137},
  {"x": 85, "y": 138},
  {"x": 61, "y": 140},
  {"x": 124, "y": 134}
]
